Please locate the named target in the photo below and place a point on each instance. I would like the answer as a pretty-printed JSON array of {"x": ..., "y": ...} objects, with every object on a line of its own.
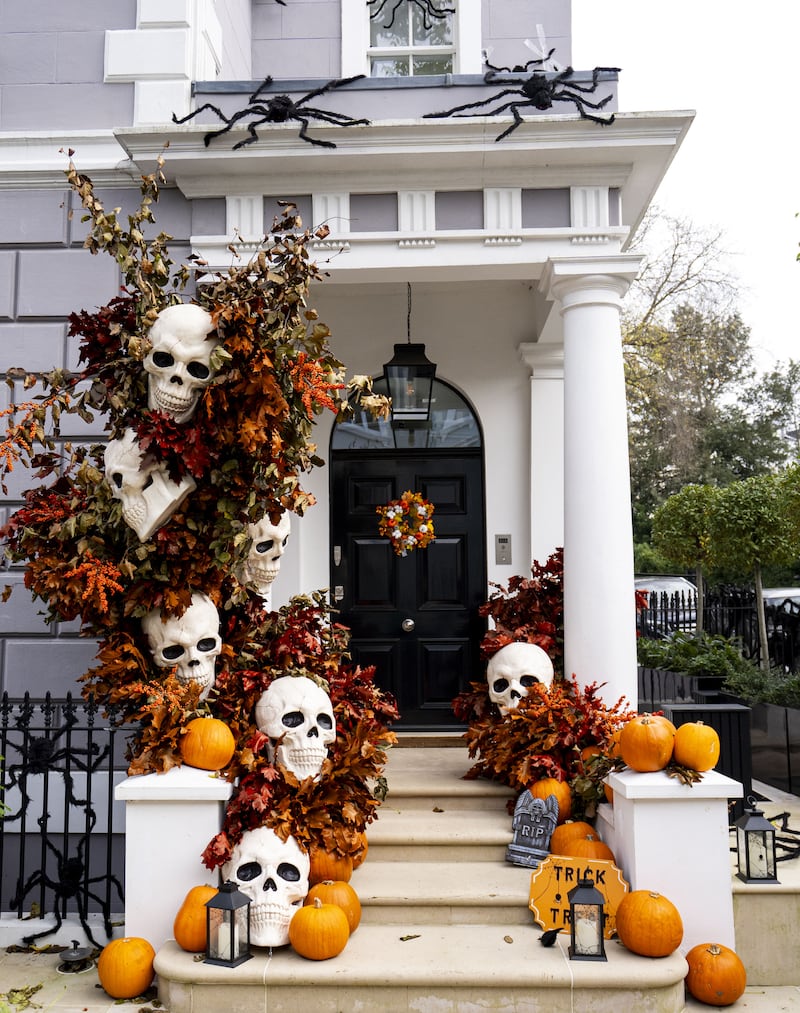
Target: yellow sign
[{"x": 558, "y": 874}]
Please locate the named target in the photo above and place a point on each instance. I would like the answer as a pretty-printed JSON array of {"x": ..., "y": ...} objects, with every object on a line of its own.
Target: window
[{"x": 406, "y": 41}]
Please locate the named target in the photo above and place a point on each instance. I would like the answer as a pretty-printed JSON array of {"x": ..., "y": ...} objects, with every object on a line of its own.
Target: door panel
[{"x": 436, "y": 591}]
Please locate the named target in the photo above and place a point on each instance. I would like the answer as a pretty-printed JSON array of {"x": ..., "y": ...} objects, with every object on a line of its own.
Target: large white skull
[
  {"x": 263, "y": 562},
  {"x": 298, "y": 717},
  {"x": 179, "y": 360},
  {"x": 190, "y": 641},
  {"x": 149, "y": 496},
  {"x": 513, "y": 669},
  {"x": 274, "y": 875}
]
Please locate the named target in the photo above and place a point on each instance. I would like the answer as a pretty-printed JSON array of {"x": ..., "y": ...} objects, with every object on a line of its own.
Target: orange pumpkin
[
  {"x": 565, "y": 833},
  {"x": 649, "y": 924},
  {"x": 319, "y": 931},
  {"x": 696, "y": 746},
  {"x": 207, "y": 743},
  {"x": 329, "y": 865},
  {"x": 125, "y": 967},
  {"x": 716, "y": 974},
  {"x": 589, "y": 846},
  {"x": 645, "y": 742},
  {"x": 587, "y": 753},
  {"x": 342, "y": 895},
  {"x": 547, "y": 786},
  {"x": 360, "y": 855},
  {"x": 190, "y": 925}
]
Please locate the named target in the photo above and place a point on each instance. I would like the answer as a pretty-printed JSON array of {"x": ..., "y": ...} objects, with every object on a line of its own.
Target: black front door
[{"x": 414, "y": 617}]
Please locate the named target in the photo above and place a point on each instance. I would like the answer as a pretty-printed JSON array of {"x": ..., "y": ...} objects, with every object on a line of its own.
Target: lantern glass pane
[
  {"x": 587, "y": 929},
  {"x": 219, "y": 940},
  {"x": 741, "y": 850},
  {"x": 761, "y": 855},
  {"x": 240, "y": 931}
]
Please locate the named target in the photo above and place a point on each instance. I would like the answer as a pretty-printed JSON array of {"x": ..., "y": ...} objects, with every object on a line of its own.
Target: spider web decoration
[
  {"x": 279, "y": 109},
  {"x": 538, "y": 91},
  {"x": 428, "y": 9}
]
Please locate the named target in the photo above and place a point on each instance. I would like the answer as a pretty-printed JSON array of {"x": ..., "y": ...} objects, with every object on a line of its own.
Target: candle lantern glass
[
  {"x": 228, "y": 927},
  {"x": 587, "y": 920},
  {"x": 755, "y": 847}
]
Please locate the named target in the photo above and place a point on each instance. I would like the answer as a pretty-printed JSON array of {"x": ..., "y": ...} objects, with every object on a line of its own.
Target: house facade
[{"x": 495, "y": 235}]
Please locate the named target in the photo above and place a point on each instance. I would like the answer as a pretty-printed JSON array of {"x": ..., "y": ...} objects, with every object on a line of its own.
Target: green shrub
[{"x": 694, "y": 653}]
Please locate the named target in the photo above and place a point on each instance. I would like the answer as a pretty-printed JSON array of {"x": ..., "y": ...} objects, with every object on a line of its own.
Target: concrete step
[
  {"x": 438, "y": 835},
  {"x": 427, "y": 778}
]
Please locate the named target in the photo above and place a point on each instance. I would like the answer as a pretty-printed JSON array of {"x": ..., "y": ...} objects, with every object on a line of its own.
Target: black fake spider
[
  {"x": 538, "y": 91},
  {"x": 279, "y": 109},
  {"x": 71, "y": 882},
  {"x": 428, "y": 8}
]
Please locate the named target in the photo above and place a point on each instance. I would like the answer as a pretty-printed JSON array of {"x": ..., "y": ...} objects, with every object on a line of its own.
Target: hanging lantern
[
  {"x": 228, "y": 927},
  {"x": 587, "y": 920},
  {"x": 755, "y": 846},
  {"x": 409, "y": 376}
]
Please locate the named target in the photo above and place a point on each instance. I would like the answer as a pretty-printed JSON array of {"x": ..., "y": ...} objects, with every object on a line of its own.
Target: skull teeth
[{"x": 169, "y": 402}]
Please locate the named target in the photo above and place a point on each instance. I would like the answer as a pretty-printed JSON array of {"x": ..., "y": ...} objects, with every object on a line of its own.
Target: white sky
[{"x": 735, "y": 63}]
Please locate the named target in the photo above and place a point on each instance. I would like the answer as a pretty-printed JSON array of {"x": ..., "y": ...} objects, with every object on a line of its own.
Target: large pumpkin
[
  {"x": 590, "y": 847},
  {"x": 319, "y": 931},
  {"x": 716, "y": 974},
  {"x": 190, "y": 925},
  {"x": 565, "y": 833},
  {"x": 645, "y": 742},
  {"x": 207, "y": 743},
  {"x": 329, "y": 865},
  {"x": 547, "y": 786},
  {"x": 696, "y": 746},
  {"x": 125, "y": 967},
  {"x": 342, "y": 895},
  {"x": 649, "y": 924}
]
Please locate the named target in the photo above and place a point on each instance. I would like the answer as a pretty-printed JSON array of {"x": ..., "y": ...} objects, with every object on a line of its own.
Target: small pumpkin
[
  {"x": 646, "y": 741},
  {"x": 190, "y": 925},
  {"x": 547, "y": 786},
  {"x": 590, "y": 847},
  {"x": 342, "y": 895},
  {"x": 125, "y": 967},
  {"x": 329, "y": 865},
  {"x": 584, "y": 762},
  {"x": 363, "y": 848},
  {"x": 696, "y": 746},
  {"x": 716, "y": 975},
  {"x": 649, "y": 923},
  {"x": 565, "y": 833},
  {"x": 319, "y": 931},
  {"x": 207, "y": 743}
]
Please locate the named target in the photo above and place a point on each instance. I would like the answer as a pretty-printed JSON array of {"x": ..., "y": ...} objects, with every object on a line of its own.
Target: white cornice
[{"x": 40, "y": 159}]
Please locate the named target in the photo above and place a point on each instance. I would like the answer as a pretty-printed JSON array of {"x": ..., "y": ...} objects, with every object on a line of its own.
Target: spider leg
[
  {"x": 473, "y": 105},
  {"x": 593, "y": 86},
  {"x": 251, "y": 129},
  {"x": 581, "y": 104},
  {"x": 327, "y": 87},
  {"x": 312, "y": 140},
  {"x": 257, "y": 93},
  {"x": 328, "y": 116},
  {"x": 514, "y": 107},
  {"x": 194, "y": 112}
]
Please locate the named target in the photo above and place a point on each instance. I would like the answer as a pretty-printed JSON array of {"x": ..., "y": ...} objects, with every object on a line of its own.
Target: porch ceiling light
[{"x": 409, "y": 375}]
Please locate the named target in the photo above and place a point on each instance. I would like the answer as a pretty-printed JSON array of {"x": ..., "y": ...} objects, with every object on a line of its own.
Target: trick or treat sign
[{"x": 558, "y": 874}]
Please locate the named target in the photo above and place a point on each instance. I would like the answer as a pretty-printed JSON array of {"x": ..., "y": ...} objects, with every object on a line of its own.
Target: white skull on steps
[
  {"x": 149, "y": 496},
  {"x": 274, "y": 875},
  {"x": 190, "y": 641},
  {"x": 263, "y": 562},
  {"x": 179, "y": 363},
  {"x": 513, "y": 669},
  {"x": 298, "y": 717}
]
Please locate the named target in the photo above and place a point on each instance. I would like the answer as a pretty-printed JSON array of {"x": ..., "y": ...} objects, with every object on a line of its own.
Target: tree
[{"x": 682, "y": 532}]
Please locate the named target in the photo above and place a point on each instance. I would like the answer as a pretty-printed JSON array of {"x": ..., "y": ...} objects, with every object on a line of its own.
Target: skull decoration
[
  {"x": 190, "y": 641},
  {"x": 149, "y": 496},
  {"x": 298, "y": 717},
  {"x": 179, "y": 362},
  {"x": 274, "y": 875},
  {"x": 263, "y": 562},
  {"x": 513, "y": 669}
]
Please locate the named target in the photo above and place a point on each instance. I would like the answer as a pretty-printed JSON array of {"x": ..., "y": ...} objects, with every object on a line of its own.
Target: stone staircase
[{"x": 445, "y": 925}]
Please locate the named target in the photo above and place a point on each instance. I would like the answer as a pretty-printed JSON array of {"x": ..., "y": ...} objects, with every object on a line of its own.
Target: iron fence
[{"x": 62, "y": 835}]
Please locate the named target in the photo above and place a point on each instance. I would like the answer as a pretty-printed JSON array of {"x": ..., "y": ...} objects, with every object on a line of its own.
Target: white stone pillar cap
[
  {"x": 178, "y": 784},
  {"x": 658, "y": 784}
]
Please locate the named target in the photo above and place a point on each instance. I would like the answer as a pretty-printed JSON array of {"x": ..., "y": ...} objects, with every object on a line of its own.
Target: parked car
[
  {"x": 674, "y": 606},
  {"x": 778, "y": 595}
]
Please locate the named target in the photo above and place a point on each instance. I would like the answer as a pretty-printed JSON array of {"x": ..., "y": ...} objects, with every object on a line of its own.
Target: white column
[
  {"x": 546, "y": 364},
  {"x": 599, "y": 612}
]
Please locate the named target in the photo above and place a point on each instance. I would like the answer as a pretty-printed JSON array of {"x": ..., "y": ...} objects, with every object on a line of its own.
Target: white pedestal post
[
  {"x": 169, "y": 820},
  {"x": 673, "y": 838}
]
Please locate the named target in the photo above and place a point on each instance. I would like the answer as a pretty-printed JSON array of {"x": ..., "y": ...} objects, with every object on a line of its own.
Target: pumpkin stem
[
  {"x": 317, "y": 902},
  {"x": 714, "y": 950}
]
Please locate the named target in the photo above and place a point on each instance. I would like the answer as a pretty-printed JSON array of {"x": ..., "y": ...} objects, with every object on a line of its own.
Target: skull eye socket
[
  {"x": 247, "y": 872},
  {"x": 324, "y": 721},
  {"x": 500, "y": 685},
  {"x": 173, "y": 652},
  {"x": 116, "y": 478},
  {"x": 293, "y": 719},
  {"x": 289, "y": 872},
  {"x": 206, "y": 644},
  {"x": 163, "y": 360},
  {"x": 263, "y": 547},
  {"x": 528, "y": 680},
  {"x": 199, "y": 370}
]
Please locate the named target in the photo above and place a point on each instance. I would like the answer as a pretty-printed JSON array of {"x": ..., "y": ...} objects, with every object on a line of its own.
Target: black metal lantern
[
  {"x": 409, "y": 376},
  {"x": 228, "y": 927},
  {"x": 586, "y": 921},
  {"x": 755, "y": 846}
]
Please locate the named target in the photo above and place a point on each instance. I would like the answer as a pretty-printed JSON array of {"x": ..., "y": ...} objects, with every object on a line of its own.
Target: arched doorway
[{"x": 414, "y": 617}]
